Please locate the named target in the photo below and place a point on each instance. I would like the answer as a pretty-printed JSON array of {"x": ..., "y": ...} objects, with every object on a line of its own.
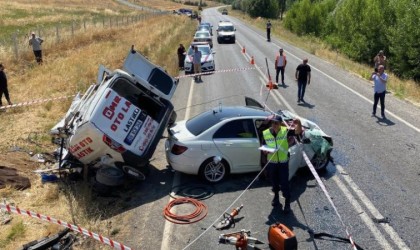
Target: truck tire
[
  {"x": 135, "y": 173},
  {"x": 110, "y": 176}
]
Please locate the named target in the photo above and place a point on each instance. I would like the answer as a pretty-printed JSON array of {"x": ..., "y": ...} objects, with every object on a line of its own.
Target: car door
[{"x": 238, "y": 142}]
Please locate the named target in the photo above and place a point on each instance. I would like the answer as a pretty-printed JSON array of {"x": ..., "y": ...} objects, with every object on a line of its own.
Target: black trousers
[
  {"x": 6, "y": 94},
  {"x": 279, "y": 176},
  {"x": 280, "y": 70},
  {"x": 376, "y": 98},
  {"x": 268, "y": 34},
  {"x": 181, "y": 59},
  {"x": 38, "y": 56}
]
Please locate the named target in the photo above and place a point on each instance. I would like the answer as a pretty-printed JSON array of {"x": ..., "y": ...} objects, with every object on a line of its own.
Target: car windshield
[
  {"x": 202, "y": 34},
  {"x": 203, "y": 27},
  {"x": 204, "y": 50},
  {"x": 226, "y": 28}
]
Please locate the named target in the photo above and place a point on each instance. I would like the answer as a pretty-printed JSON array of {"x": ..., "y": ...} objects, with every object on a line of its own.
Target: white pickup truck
[{"x": 116, "y": 125}]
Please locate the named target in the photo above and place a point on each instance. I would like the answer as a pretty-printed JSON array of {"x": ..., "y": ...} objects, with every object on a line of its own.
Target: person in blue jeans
[
  {"x": 303, "y": 77},
  {"x": 379, "y": 79}
]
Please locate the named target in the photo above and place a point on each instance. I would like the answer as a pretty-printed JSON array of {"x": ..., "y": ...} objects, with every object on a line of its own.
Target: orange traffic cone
[
  {"x": 252, "y": 60},
  {"x": 243, "y": 49},
  {"x": 270, "y": 85}
]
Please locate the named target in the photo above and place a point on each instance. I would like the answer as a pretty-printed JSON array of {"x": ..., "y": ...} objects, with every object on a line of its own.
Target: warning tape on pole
[
  {"x": 218, "y": 71},
  {"x": 324, "y": 189},
  {"x": 22, "y": 104},
  {"x": 75, "y": 228}
]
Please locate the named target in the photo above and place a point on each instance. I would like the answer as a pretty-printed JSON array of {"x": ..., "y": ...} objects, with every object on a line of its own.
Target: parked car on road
[
  {"x": 226, "y": 32},
  {"x": 116, "y": 125},
  {"x": 224, "y": 12},
  {"x": 207, "y": 58},
  {"x": 225, "y": 140},
  {"x": 203, "y": 36},
  {"x": 205, "y": 27}
]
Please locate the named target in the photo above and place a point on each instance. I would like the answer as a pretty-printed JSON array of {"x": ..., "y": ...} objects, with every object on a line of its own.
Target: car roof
[
  {"x": 200, "y": 44},
  {"x": 238, "y": 111},
  {"x": 225, "y": 23}
]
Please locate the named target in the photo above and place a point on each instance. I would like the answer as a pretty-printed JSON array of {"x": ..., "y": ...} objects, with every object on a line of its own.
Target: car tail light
[
  {"x": 113, "y": 144},
  {"x": 178, "y": 149}
]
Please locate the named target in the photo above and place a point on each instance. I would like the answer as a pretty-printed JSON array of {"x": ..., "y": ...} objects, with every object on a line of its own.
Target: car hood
[
  {"x": 179, "y": 131},
  {"x": 204, "y": 58}
]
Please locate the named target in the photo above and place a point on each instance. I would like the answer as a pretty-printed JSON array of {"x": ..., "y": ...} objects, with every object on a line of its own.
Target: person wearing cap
[
  {"x": 3, "y": 86},
  {"x": 379, "y": 59},
  {"x": 181, "y": 56},
  {"x": 280, "y": 65},
  {"x": 303, "y": 77},
  {"x": 35, "y": 42},
  {"x": 278, "y": 162}
]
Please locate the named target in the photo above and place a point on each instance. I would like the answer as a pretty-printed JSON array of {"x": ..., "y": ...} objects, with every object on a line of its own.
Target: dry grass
[
  {"x": 70, "y": 67},
  {"x": 404, "y": 89}
]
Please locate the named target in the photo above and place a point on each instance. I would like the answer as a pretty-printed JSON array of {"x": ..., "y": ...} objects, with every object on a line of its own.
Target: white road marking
[
  {"x": 372, "y": 209},
  {"x": 167, "y": 230},
  {"x": 343, "y": 85},
  {"x": 365, "y": 218},
  {"x": 363, "y": 215}
]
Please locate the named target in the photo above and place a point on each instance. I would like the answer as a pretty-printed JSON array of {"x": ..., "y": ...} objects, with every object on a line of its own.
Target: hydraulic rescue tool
[
  {"x": 242, "y": 240},
  {"x": 228, "y": 219},
  {"x": 281, "y": 237}
]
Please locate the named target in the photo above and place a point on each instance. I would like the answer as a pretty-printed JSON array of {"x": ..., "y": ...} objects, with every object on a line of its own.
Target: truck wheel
[
  {"x": 110, "y": 176},
  {"x": 135, "y": 173}
]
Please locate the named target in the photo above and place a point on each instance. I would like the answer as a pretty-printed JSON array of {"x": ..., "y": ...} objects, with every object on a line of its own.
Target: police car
[{"x": 207, "y": 58}]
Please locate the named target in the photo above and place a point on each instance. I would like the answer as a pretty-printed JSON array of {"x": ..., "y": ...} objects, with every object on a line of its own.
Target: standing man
[
  {"x": 276, "y": 137},
  {"x": 280, "y": 65},
  {"x": 379, "y": 59},
  {"x": 181, "y": 56},
  {"x": 36, "y": 42},
  {"x": 197, "y": 63},
  {"x": 268, "y": 26},
  {"x": 3, "y": 86},
  {"x": 303, "y": 77},
  {"x": 379, "y": 79}
]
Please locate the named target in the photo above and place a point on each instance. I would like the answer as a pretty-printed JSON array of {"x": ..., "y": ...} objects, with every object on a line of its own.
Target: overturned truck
[{"x": 115, "y": 126}]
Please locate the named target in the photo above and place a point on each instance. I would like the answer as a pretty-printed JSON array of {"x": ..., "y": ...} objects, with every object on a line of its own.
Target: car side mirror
[{"x": 234, "y": 29}]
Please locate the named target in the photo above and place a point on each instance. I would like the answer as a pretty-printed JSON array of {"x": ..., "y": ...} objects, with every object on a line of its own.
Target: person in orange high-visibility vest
[{"x": 280, "y": 65}]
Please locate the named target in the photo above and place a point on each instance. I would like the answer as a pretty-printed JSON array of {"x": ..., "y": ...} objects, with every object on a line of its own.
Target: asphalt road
[{"x": 375, "y": 173}]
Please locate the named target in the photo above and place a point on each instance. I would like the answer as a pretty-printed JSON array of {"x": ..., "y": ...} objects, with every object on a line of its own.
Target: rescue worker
[
  {"x": 280, "y": 65},
  {"x": 276, "y": 137}
]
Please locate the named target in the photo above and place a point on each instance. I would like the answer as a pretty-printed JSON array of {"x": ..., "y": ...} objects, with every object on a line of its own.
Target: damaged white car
[
  {"x": 226, "y": 140},
  {"x": 116, "y": 125}
]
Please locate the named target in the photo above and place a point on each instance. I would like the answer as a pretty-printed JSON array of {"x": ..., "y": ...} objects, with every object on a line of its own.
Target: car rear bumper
[{"x": 180, "y": 163}]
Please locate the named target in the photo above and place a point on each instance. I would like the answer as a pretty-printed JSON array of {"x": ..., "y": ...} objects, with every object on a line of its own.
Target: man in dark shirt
[
  {"x": 303, "y": 77},
  {"x": 268, "y": 27},
  {"x": 3, "y": 86},
  {"x": 181, "y": 56}
]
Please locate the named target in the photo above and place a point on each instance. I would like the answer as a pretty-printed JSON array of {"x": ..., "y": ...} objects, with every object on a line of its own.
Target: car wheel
[
  {"x": 110, "y": 176},
  {"x": 214, "y": 171},
  {"x": 219, "y": 41},
  {"x": 172, "y": 119},
  {"x": 233, "y": 41},
  {"x": 320, "y": 163}
]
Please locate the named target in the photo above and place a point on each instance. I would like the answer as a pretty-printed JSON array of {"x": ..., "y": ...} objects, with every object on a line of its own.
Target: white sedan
[
  {"x": 207, "y": 58},
  {"x": 225, "y": 141}
]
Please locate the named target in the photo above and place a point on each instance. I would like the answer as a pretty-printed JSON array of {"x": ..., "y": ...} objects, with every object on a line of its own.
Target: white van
[
  {"x": 226, "y": 32},
  {"x": 117, "y": 124}
]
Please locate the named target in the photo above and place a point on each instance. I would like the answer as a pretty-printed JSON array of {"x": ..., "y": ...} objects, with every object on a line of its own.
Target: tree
[{"x": 263, "y": 8}]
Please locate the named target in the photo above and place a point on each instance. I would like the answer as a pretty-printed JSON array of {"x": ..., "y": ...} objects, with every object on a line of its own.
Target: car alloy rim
[{"x": 214, "y": 171}]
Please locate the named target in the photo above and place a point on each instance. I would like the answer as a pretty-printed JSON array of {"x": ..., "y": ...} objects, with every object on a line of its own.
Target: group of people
[
  {"x": 302, "y": 74},
  {"x": 34, "y": 41}
]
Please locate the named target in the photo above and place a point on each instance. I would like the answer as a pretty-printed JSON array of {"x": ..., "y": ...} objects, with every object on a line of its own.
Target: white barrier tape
[
  {"x": 218, "y": 71},
  {"x": 35, "y": 102},
  {"x": 75, "y": 228},
  {"x": 324, "y": 189}
]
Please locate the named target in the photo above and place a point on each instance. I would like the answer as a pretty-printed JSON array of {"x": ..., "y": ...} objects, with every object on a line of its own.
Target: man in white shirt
[
  {"x": 36, "y": 42},
  {"x": 280, "y": 65},
  {"x": 197, "y": 63},
  {"x": 379, "y": 79}
]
